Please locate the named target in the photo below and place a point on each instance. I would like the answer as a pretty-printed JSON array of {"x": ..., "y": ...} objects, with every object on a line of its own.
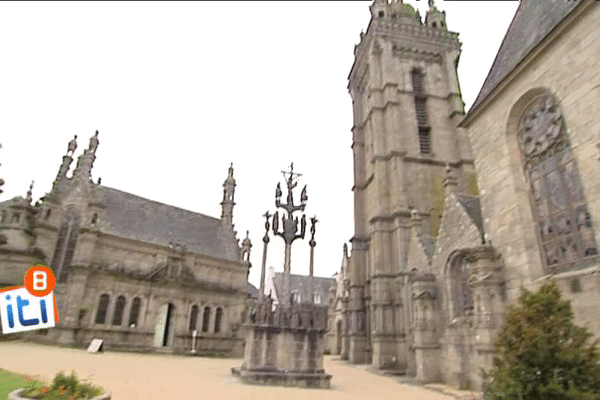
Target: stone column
[{"x": 426, "y": 341}]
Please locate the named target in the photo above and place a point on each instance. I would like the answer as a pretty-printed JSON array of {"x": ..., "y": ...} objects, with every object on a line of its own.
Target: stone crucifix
[{"x": 290, "y": 226}]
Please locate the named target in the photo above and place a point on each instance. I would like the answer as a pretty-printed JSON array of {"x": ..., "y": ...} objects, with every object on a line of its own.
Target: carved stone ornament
[{"x": 541, "y": 127}]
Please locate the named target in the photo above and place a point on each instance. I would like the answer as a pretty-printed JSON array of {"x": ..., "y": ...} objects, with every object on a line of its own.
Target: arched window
[
  {"x": 65, "y": 244},
  {"x": 119, "y": 308},
  {"x": 134, "y": 313},
  {"x": 102, "y": 309},
  {"x": 15, "y": 218},
  {"x": 3, "y": 217},
  {"x": 558, "y": 201},
  {"x": 194, "y": 318},
  {"x": 421, "y": 112},
  {"x": 218, "y": 315},
  {"x": 205, "y": 319},
  {"x": 48, "y": 213}
]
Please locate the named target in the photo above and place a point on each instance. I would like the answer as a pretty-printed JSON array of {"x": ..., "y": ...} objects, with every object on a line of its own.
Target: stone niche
[{"x": 284, "y": 346}]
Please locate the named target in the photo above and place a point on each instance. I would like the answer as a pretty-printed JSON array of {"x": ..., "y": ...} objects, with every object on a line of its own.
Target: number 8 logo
[{"x": 40, "y": 280}]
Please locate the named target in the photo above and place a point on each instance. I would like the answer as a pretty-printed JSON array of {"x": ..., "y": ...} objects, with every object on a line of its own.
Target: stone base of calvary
[{"x": 284, "y": 344}]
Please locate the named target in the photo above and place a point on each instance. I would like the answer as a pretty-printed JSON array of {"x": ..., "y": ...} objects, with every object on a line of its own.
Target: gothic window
[
  {"x": 119, "y": 308},
  {"x": 102, "y": 309},
  {"x": 218, "y": 316},
  {"x": 134, "y": 312},
  {"x": 94, "y": 218},
  {"x": 205, "y": 319},
  {"x": 421, "y": 112},
  {"x": 3, "y": 218},
  {"x": 559, "y": 206},
  {"x": 193, "y": 318},
  {"x": 65, "y": 244},
  {"x": 15, "y": 218},
  {"x": 461, "y": 293},
  {"x": 48, "y": 212}
]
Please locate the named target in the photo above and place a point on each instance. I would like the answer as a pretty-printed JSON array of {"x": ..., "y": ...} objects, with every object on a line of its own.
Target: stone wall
[
  {"x": 565, "y": 67},
  {"x": 78, "y": 303}
]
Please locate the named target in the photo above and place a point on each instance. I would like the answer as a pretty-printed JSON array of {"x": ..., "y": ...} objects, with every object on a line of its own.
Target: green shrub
[{"x": 541, "y": 354}]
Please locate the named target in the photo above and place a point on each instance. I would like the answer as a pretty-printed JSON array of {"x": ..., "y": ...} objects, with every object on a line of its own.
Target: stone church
[
  {"x": 455, "y": 212},
  {"x": 139, "y": 274}
]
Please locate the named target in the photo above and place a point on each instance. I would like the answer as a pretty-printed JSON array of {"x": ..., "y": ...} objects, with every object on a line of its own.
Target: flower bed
[{"x": 63, "y": 387}]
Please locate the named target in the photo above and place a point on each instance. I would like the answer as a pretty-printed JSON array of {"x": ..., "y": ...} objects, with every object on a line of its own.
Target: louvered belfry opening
[{"x": 421, "y": 112}]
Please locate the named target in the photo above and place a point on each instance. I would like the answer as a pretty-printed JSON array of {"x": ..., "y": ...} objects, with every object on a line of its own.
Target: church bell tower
[{"x": 406, "y": 105}]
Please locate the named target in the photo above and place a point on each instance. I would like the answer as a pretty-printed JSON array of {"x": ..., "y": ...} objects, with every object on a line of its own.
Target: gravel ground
[{"x": 132, "y": 376}]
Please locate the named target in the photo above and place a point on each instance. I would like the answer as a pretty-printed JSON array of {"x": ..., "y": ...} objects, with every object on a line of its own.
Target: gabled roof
[
  {"x": 472, "y": 206},
  {"x": 532, "y": 22},
  {"x": 299, "y": 283},
  {"x": 133, "y": 217}
]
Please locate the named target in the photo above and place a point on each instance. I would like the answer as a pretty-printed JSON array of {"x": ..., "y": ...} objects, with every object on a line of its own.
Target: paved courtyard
[{"x": 131, "y": 376}]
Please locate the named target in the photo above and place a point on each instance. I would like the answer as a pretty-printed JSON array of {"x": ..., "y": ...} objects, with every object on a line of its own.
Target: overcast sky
[{"x": 179, "y": 90}]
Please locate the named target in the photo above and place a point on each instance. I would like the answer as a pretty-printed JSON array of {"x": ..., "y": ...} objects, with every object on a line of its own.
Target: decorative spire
[
  {"x": 1, "y": 180},
  {"x": 72, "y": 146},
  {"x": 83, "y": 171},
  {"x": 246, "y": 247},
  {"x": 228, "y": 196},
  {"x": 29, "y": 197},
  {"x": 434, "y": 17}
]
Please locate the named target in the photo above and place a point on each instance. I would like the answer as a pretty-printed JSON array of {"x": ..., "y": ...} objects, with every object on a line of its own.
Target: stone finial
[
  {"x": 228, "y": 198},
  {"x": 94, "y": 142},
  {"x": 450, "y": 182},
  {"x": 29, "y": 197},
  {"x": 1, "y": 180},
  {"x": 72, "y": 146},
  {"x": 246, "y": 241}
]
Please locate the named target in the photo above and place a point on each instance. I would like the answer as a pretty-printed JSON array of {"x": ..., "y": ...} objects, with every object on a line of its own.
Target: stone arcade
[
  {"x": 136, "y": 273},
  {"x": 284, "y": 342}
]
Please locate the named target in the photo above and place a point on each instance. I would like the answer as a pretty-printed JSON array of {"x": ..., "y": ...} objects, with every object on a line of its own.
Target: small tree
[{"x": 540, "y": 354}]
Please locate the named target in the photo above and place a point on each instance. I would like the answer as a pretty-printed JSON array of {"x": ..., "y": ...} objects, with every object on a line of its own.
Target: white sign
[{"x": 95, "y": 346}]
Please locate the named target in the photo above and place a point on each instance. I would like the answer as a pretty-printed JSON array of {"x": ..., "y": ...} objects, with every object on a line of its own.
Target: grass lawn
[{"x": 9, "y": 381}]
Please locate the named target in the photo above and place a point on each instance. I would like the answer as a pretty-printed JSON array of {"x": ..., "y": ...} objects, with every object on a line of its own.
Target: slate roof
[
  {"x": 252, "y": 291},
  {"x": 133, "y": 217},
  {"x": 300, "y": 283},
  {"x": 532, "y": 22},
  {"x": 472, "y": 206},
  {"x": 428, "y": 244}
]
